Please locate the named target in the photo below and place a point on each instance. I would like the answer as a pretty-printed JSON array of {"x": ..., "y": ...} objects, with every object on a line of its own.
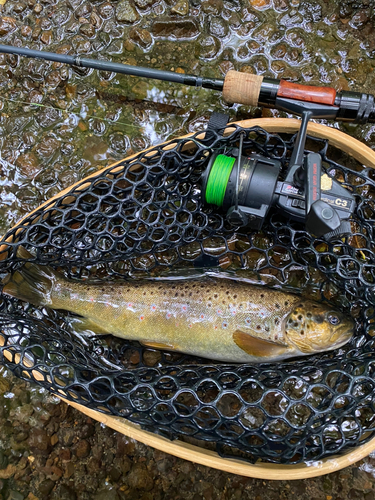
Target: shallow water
[{"x": 58, "y": 124}]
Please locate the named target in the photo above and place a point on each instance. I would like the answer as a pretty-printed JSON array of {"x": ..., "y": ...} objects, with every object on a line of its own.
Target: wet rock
[
  {"x": 107, "y": 495},
  {"x": 119, "y": 142},
  {"x": 143, "y": 4},
  {"x": 26, "y": 31},
  {"x": 359, "y": 19},
  {"x": 82, "y": 449},
  {"x": 88, "y": 30},
  {"x": 207, "y": 47},
  {"x": 212, "y": 7},
  {"x": 218, "y": 27},
  {"x": 151, "y": 358},
  {"x": 19, "y": 7},
  {"x": 261, "y": 4},
  {"x": 181, "y": 8},
  {"x": 106, "y": 10},
  {"x": 139, "y": 478},
  {"x": 47, "y": 146},
  {"x": 84, "y": 10},
  {"x": 46, "y": 487},
  {"x": 3, "y": 460},
  {"x": 28, "y": 164},
  {"x": 66, "y": 436},
  {"x": 21, "y": 436},
  {"x": 39, "y": 441},
  {"x": 141, "y": 37},
  {"x": 125, "y": 12},
  {"x": 87, "y": 430},
  {"x": 178, "y": 29},
  {"x": 7, "y": 25},
  {"x": 64, "y": 492},
  {"x": 15, "y": 495},
  {"x": 46, "y": 37}
]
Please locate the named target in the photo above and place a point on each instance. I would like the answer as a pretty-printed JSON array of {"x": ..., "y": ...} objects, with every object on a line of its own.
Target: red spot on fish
[
  {"x": 219, "y": 311},
  {"x": 141, "y": 318},
  {"x": 202, "y": 316},
  {"x": 184, "y": 308},
  {"x": 153, "y": 308},
  {"x": 130, "y": 304},
  {"x": 91, "y": 300},
  {"x": 215, "y": 327},
  {"x": 190, "y": 326},
  {"x": 168, "y": 315}
]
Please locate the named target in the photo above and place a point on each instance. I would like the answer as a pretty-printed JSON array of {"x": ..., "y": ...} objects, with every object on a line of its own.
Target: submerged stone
[
  {"x": 125, "y": 12},
  {"x": 175, "y": 29}
]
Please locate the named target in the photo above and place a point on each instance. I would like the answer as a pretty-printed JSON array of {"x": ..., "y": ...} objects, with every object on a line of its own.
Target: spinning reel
[{"x": 246, "y": 187}]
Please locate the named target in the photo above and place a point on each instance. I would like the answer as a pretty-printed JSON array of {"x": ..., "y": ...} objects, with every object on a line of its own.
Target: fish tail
[{"x": 32, "y": 283}]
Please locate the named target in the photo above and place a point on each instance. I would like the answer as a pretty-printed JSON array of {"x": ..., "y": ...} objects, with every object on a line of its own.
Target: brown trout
[{"x": 217, "y": 319}]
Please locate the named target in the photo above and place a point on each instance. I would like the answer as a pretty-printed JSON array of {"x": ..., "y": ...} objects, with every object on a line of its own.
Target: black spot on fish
[
  {"x": 300, "y": 317},
  {"x": 302, "y": 332},
  {"x": 319, "y": 318},
  {"x": 277, "y": 306},
  {"x": 286, "y": 303},
  {"x": 309, "y": 315},
  {"x": 277, "y": 321},
  {"x": 262, "y": 295},
  {"x": 215, "y": 296},
  {"x": 258, "y": 327}
]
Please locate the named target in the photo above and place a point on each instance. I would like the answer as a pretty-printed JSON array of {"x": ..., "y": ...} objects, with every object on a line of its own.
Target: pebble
[
  {"x": 39, "y": 441},
  {"x": 3, "y": 460},
  {"x": 7, "y": 25},
  {"x": 179, "y": 29},
  {"x": 15, "y": 495},
  {"x": 213, "y": 7},
  {"x": 88, "y": 30},
  {"x": 82, "y": 449},
  {"x": 47, "y": 146},
  {"x": 143, "y": 4},
  {"x": 181, "y": 8},
  {"x": 28, "y": 164},
  {"x": 141, "y": 37},
  {"x": 46, "y": 486},
  {"x": 106, "y": 10},
  {"x": 218, "y": 27},
  {"x": 125, "y": 12},
  {"x": 140, "y": 478},
  {"x": 107, "y": 495}
]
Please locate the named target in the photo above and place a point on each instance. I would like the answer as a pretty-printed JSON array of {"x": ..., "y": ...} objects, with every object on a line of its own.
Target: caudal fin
[{"x": 32, "y": 283}]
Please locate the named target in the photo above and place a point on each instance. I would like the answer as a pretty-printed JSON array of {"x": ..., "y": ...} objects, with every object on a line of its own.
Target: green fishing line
[{"x": 218, "y": 179}]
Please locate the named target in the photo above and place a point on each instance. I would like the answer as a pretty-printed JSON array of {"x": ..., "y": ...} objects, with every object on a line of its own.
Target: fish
[{"x": 218, "y": 319}]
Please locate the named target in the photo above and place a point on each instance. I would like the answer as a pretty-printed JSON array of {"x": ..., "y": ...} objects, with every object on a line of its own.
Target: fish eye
[{"x": 334, "y": 319}]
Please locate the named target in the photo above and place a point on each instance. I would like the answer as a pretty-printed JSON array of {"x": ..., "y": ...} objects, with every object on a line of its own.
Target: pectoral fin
[
  {"x": 255, "y": 346},
  {"x": 84, "y": 325},
  {"x": 159, "y": 345}
]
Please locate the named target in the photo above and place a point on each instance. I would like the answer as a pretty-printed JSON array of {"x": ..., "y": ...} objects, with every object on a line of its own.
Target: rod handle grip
[
  {"x": 322, "y": 95},
  {"x": 242, "y": 88}
]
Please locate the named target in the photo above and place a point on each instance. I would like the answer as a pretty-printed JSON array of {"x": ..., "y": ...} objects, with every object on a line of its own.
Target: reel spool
[{"x": 243, "y": 186}]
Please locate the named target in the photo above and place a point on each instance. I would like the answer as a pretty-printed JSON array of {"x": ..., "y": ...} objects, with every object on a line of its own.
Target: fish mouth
[{"x": 342, "y": 335}]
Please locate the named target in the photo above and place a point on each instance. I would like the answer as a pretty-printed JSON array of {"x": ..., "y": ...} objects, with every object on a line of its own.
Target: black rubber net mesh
[{"x": 143, "y": 218}]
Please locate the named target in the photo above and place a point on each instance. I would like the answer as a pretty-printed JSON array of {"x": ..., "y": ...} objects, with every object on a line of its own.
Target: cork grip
[{"x": 242, "y": 88}]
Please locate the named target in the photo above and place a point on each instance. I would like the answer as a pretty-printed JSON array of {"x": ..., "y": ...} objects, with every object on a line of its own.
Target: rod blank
[{"x": 126, "y": 69}]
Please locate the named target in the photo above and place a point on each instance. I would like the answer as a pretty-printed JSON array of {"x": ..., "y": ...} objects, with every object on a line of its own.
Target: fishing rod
[
  {"x": 248, "y": 186},
  {"x": 237, "y": 87}
]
